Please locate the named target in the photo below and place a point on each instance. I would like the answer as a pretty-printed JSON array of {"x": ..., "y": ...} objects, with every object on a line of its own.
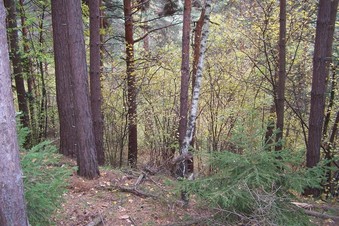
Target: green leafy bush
[
  {"x": 256, "y": 187},
  {"x": 44, "y": 180}
]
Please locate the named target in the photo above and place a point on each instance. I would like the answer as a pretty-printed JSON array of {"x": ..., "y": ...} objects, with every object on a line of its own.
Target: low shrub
[{"x": 45, "y": 180}]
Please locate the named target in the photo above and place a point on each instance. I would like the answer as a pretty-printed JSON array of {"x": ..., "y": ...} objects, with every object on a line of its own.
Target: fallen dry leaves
[{"x": 101, "y": 200}]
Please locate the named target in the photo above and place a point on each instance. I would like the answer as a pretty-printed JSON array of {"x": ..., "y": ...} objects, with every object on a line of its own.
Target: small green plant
[{"x": 44, "y": 180}]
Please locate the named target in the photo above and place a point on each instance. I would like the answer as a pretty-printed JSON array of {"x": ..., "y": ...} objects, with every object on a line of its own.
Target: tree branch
[{"x": 155, "y": 29}]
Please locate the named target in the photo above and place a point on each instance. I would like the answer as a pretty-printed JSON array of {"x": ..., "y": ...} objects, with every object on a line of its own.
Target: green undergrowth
[
  {"x": 45, "y": 180},
  {"x": 257, "y": 186}
]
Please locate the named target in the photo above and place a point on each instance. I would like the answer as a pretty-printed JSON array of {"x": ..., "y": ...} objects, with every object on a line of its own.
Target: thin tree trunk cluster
[{"x": 17, "y": 61}]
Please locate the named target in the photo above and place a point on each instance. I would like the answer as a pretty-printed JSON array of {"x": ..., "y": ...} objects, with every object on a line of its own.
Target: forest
[{"x": 169, "y": 112}]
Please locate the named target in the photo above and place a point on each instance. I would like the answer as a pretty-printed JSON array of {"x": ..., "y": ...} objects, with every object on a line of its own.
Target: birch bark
[{"x": 198, "y": 80}]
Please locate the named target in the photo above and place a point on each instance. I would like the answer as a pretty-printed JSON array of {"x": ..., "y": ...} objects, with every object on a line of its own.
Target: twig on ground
[
  {"x": 139, "y": 180},
  {"x": 135, "y": 191}
]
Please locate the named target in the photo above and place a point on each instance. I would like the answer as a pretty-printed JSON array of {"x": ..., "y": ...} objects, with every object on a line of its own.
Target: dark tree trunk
[
  {"x": 12, "y": 207},
  {"x": 17, "y": 61},
  {"x": 321, "y": 61},
  {"x": 63, "y": 80},
  {"x": 280, "y": 101},
  {"x": 131, "y": 86},
  {"x": 86, "y": 157},
  {"x": 95, "y": 83}
]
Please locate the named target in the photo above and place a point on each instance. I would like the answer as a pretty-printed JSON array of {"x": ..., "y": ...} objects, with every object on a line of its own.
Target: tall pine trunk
[
  {"x": 321, "y": 61},
  {"x": 95, "y": 83},
  {"x": 12, "y": 207},
  {"x": 63, "y": 81},
  {"x": 131, "y": 86},
  {"x": 86, "y": 157}
]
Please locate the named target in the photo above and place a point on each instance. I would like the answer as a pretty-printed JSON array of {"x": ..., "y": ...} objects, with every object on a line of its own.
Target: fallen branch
[
  {"x": 135, "y": 191},
  {"x": 312, "y": 213},
  {"x": 140, "y": 178},
  {"x": 321, "y": 215},
  {"x": 315, "y": 206}
]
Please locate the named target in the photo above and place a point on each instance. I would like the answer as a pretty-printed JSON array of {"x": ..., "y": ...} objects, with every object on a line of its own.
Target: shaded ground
[{"x": 102, "y": 200}]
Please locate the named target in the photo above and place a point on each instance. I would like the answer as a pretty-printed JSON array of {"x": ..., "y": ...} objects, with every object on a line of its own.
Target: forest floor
[
  {"x": 126, "y": 197},
  {"x": 133, "y": 197}
]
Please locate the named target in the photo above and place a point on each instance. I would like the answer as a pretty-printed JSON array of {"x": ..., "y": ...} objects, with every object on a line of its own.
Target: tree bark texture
[
  {"x": 185, "y": 70},
  {"x": 12, "y": 207},
  {"x": 280, "y": 102},
  {"x": 95, "y": 82},
  {"x": 86, "y": 157},
  {"x": 185, "y": 77},
  {"x": 63, "y": 81},
  {"x": 196, "y": 90},
  {"x": 196, "y": 53},
  {"x": 321, "y": 60},
  {"x": 17, "y": 61},
  {"x": 131, "y": 86},
  {"x": 197, "y": 44}
]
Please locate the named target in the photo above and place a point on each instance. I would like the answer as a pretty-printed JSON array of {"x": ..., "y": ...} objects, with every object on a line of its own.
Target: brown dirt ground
[{"x": 87, "y": 200}]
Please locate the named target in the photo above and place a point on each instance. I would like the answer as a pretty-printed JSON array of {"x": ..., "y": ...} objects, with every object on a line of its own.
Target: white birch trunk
[{"x": 197, "y": 85}]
